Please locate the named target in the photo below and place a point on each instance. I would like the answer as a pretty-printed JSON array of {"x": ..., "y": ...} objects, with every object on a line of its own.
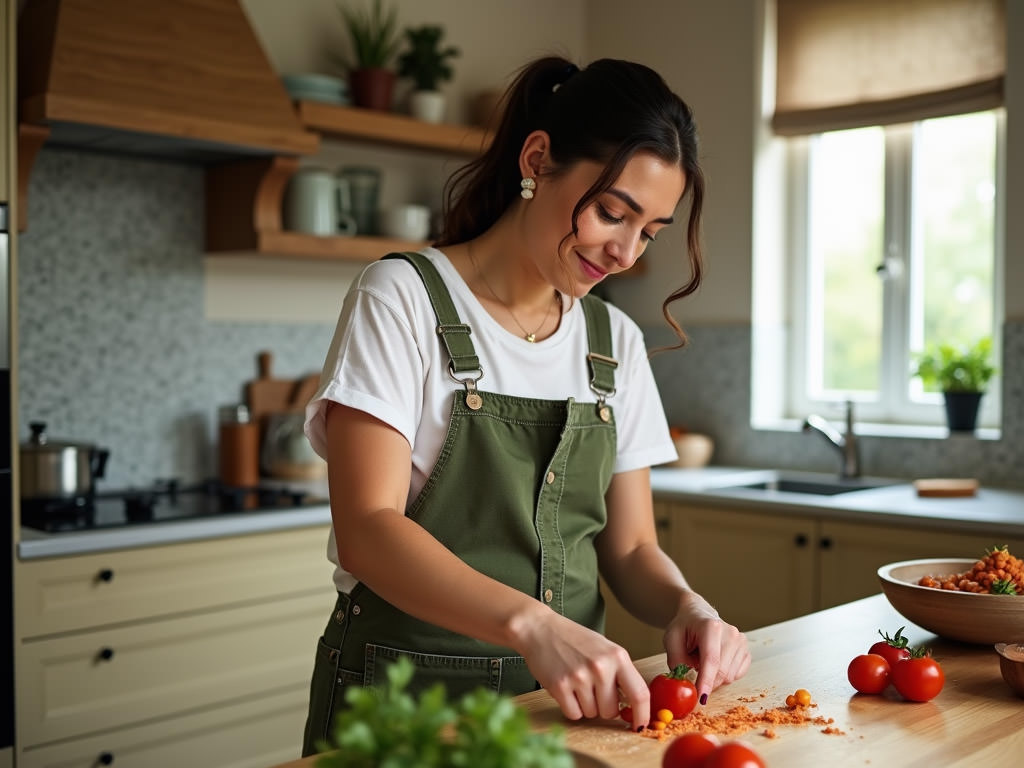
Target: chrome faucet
[{"x": 845, "y": 444}]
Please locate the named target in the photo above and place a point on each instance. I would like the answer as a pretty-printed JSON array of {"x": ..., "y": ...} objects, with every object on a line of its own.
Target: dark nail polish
[
  {"x": 703, "y": 698},
  {"x": 639, "y": 729}
]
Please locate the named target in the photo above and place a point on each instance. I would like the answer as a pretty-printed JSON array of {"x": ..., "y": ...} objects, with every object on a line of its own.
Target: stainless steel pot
[{"x": 53, "y": 469}]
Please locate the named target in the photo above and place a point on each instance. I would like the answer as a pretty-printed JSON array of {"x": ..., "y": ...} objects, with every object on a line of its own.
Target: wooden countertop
[{"x": 976, "y": 720}]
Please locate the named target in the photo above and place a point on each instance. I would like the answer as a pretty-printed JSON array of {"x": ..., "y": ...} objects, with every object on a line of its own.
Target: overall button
[
  {"x": 548, "y": 595},
  {"x": 340, "y": 616},
  {"x": 605, "y": 413},
  {"x": 550, "y": 478},
  {"x": 356, "y": 610}
]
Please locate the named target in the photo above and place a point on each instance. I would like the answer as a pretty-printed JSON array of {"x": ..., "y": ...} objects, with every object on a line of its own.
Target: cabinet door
[
  {"x": 641, "y": 640},
  {"x": 250, "y": 734},
  {"x": 754, "y": 567},
  {"x": 63, "y": 594},
  {"x": 82, "y": 683},
  {"x": 852, "y": 553}
]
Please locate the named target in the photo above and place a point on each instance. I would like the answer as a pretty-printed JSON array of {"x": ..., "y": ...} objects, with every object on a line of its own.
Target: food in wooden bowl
[{"x": 970, "y": 617}]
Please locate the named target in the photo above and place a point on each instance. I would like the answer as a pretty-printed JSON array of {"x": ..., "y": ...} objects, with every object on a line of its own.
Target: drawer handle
[
  {"x": 105, "y": 758},
  {"x": 105, "y": 654},
  {"x": 105, "y": 575},
  {"x": 826, "y": 542},
  {"x": 800, "y": 540}
]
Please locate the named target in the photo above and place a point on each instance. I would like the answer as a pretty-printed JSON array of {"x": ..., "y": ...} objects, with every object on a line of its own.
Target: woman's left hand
[{"x": 697, "y": 636}]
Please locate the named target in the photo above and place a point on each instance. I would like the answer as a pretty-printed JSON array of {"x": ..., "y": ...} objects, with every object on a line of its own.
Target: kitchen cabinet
[
  {"x": 148, "y": 657},
  {"x": 620, "y": 626},
  {"x": 244, "y": 197},
  {"x": 761, "y": 567}
]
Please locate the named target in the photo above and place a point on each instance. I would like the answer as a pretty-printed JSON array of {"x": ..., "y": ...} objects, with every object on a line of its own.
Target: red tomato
[
  {"x": 869, "y": 673},
  {"x": 918, "y": 679},
  {"x": 688, "y": 751},
  {"x": 892, "y": 649},
  {"x": 673, "y": 692},
  {"x": 626, "y": 713},
  {"x": 733, "y": 754}
]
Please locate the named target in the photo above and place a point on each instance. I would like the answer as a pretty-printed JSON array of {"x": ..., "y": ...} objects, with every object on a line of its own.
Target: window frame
[{"x": 894, "y": 406}]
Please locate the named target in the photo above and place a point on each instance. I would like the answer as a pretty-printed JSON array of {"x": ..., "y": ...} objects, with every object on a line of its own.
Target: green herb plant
[
  {"x": 424, "y": 60},
  {"x": 946, "y": 368},
  {"x": 387, "y": 727},
  {"x": 374, "y": 36}
]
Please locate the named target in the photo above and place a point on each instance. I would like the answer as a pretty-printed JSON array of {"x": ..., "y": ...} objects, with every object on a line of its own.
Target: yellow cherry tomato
[{"x": 664, "y": 716}]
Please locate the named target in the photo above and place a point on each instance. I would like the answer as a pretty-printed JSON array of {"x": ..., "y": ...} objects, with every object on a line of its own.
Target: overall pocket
[{"x": 459, "y": 674}]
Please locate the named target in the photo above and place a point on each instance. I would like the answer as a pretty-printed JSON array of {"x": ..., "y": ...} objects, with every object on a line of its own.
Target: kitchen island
[{"x": 975, "y": 720}]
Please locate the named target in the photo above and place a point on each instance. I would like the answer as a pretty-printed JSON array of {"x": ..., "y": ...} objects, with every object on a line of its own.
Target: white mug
[
  {"x": 316, "y": 204},
  {"x": 408, "y": 222}
]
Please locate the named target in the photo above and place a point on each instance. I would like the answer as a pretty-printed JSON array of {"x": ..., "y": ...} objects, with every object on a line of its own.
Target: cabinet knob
[
  {"x": 800, "y": 540},
  {"x": 105, "y": 654},
  {"x": 105, "y": 575},
  {"x": 105, "y": 758},
  {"x": 661, "y": 523},
  {"x": 826, "y": 542}
]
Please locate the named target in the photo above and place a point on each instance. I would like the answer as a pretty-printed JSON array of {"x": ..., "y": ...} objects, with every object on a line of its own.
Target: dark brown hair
[{"x": 605, "y": 113}]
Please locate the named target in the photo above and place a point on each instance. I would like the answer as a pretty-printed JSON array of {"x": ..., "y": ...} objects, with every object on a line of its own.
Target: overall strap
[
  {"x": 599, "y": 341},
  {"x": 453, "y": 332}
]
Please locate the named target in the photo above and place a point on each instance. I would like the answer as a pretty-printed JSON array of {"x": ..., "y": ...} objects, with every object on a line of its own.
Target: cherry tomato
[
  {"x": 688, "y": 751},
  {"x": 672, "y": 691},
  {"x": 869, "y": 673},
  {"x": 892, "y": 649},
  {"x": 733, "y": 754},
  {"x": 626, "y": 713},
  {"x": 918, "y": 679}
]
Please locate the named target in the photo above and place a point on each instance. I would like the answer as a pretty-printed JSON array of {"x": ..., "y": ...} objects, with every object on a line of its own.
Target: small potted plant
[
  {"x": 426, "y": 63},
  {"x": 961, "y": 374},
  {"x": 374, "y": 36}
]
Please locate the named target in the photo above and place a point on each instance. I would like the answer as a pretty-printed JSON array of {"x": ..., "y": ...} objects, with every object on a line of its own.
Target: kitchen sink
[{"x": 815, "y": 486}]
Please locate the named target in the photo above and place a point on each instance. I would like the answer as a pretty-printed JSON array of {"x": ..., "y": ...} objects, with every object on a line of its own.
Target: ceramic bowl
[
  {"x": 694, "y": 450},
  {"x": 1011, "y": 664},
  {"x": 963, "y": 616}
]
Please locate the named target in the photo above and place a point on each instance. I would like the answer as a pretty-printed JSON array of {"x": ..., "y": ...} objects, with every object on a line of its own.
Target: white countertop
[
  {"x": 995, "y": 510},
  {"x": 992, "y": 510},
  {"x": 34, "y": 544}
]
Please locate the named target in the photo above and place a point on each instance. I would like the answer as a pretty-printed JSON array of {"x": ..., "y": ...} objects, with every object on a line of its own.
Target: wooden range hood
[{"x": 175, "y": 78}]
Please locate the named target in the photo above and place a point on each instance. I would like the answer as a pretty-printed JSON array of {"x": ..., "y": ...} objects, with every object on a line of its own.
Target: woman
[{"x": 489, "y": 427}]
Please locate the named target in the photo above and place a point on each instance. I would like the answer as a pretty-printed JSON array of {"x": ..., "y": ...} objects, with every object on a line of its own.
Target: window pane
[
  {"x": 954, "y": 221},
  {"x": 847, "y": 194}
]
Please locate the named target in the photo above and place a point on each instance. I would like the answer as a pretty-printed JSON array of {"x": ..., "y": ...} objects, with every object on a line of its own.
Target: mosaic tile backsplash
[{"x": 115, "y": 350}]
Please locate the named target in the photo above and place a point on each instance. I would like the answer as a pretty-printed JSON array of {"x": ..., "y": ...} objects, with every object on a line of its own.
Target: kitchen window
[
  {"x": 878, "y": 194},
  {"x": 893, "y": 246}
]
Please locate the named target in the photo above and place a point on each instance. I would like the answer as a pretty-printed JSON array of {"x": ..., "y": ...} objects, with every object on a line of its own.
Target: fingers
[
  {"x": 718, "y": 651},
  {"x": 638, "y": 696},
  {"x": 592, "y": 689}
]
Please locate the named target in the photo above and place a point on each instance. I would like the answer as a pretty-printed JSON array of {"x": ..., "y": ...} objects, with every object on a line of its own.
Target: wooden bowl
[
  {"x": 1011, "y": 664},
  {"x": 964, "y": 616},
  {"x": 694, "y": 450}
]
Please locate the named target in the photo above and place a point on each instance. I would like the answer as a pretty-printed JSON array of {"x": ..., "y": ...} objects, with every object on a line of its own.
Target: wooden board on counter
[{"x": 267, "y": 394}]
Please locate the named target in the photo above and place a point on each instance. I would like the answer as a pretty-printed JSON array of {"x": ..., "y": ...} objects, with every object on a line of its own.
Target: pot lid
[{"x": 40, "y": 442}]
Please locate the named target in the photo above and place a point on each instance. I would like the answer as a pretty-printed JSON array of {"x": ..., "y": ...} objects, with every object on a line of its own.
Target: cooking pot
[{"x": 52, "y": 469}]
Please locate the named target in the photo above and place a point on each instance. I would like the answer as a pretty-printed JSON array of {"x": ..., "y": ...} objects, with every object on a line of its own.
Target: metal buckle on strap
[
  {"x": 473, "y": 399},
  {"x": 602, "y": 394}
]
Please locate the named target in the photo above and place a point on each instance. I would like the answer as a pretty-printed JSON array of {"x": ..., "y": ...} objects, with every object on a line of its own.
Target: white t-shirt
[{"x": 386, "y": 359}]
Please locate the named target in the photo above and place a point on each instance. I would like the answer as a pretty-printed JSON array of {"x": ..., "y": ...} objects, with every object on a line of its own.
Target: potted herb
[
  {"x": 426, "y": 63},
  {"x": 374, "y": 36},
  {"x": 961, "y": 374}
]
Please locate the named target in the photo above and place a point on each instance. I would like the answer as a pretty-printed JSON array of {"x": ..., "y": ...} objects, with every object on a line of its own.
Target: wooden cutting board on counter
[{"x": 265, "y": 395}]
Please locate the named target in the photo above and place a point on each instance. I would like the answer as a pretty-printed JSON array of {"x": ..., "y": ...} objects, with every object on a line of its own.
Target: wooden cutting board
[
  {"x": 266, "y": 394},
  {"x": 946, "y": 487}
]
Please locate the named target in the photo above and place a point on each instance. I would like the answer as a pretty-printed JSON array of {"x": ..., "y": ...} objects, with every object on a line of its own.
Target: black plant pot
[{"x": 962, "y": 410}]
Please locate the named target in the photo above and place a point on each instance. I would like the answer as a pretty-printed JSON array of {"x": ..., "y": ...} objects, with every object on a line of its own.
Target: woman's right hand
[{"x": 585, "y": 673}]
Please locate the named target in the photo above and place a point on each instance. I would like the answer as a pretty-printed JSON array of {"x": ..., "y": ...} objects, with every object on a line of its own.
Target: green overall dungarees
[{"x": 517, "y": 493}]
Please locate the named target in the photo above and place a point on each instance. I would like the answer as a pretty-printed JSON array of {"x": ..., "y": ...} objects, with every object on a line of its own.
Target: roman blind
[{"x": 851, "y": 63}]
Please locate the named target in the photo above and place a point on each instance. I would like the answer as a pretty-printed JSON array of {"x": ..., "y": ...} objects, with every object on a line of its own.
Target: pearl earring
[{"x": 528, "y": 185}]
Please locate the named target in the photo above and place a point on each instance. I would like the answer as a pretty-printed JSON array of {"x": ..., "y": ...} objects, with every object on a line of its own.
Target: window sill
[{"x": 867, "y": 429}]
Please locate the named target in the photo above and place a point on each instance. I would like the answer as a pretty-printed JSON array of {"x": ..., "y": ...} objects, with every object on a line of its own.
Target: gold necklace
[{"x": 530, "y": 336}]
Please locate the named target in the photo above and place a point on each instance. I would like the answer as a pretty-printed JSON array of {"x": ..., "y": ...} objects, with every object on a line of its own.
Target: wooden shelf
[
  {"x": 244, "y": 197},
  {"x": 390, "y": 129},
  {"x": 298, "y": 245}
]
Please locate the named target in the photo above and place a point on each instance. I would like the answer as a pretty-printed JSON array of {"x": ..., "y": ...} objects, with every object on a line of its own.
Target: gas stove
[{"x": 163, "y": 501}]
